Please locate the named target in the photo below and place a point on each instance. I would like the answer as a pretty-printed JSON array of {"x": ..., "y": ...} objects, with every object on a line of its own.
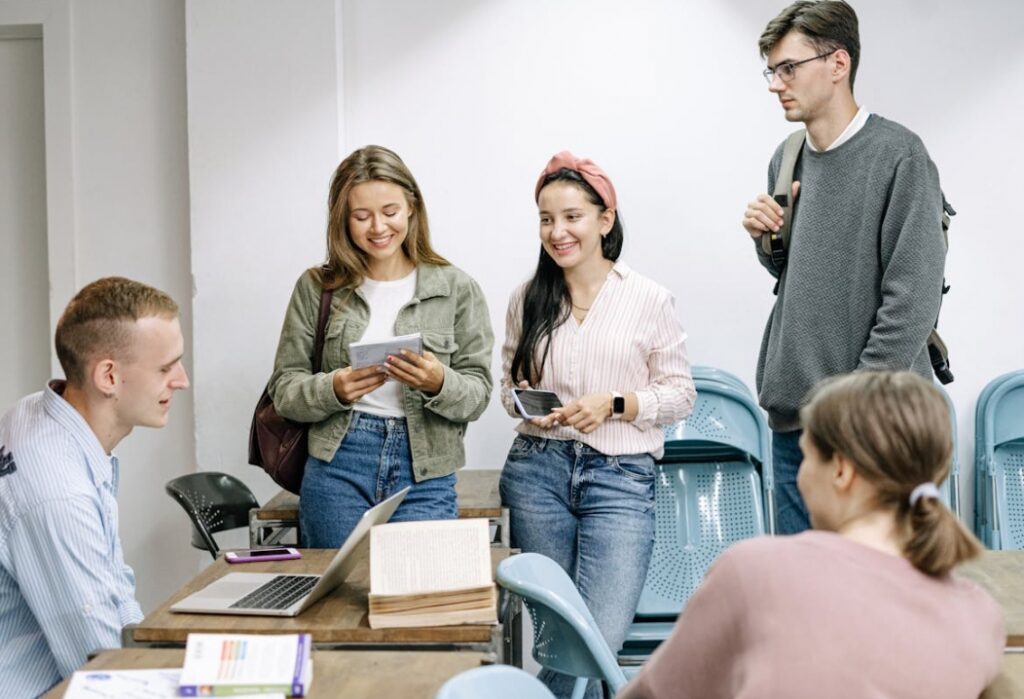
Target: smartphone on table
[
  {"x": 252, "y": 555},
  {"x": 532, "y": 403}
]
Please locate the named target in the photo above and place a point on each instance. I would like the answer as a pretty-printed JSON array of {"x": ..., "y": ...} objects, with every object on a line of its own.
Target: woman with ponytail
[
  {"x": 579, "y": 482},
  {"x": 867, "y": 605}
]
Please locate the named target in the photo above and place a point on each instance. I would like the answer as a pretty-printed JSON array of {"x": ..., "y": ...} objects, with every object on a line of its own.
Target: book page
[
  {"x": 363, "y": 354},
  {"x": 412, "y": 557}
]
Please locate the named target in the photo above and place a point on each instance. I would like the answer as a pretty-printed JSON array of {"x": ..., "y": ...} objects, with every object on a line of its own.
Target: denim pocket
[
  {"x": 637, "y": 467},
  {"x": 524, "y": 445}
]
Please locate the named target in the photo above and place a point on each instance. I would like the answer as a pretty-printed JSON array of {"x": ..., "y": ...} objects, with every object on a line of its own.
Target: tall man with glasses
[{"x": 860, "y": 286}]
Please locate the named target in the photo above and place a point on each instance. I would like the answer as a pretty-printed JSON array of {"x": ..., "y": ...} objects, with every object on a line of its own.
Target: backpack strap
[{"x": 776, "y": 243}]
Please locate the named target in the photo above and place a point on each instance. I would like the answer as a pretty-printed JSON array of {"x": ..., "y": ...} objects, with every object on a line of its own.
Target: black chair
[{"x": 214, "y": 502}]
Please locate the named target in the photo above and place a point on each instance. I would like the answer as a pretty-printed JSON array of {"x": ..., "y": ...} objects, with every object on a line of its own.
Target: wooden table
[
  {"x": 336, "y": 673},
  {"x": 338, "y": 620},
  {"x": 476, "y": 489},
  {"x": 1002, "y": 574},
  {"x": 1010, "y": 683}
]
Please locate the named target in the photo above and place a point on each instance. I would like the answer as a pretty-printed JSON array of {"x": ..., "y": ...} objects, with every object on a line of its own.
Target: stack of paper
[{"x": 238, "y": 664}]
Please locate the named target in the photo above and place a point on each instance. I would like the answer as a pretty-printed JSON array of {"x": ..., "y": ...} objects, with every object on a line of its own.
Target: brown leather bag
[{"x": 276, "y": 444}]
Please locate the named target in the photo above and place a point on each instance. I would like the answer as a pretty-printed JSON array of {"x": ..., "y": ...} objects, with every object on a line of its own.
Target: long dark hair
[{"x": 546, "y": 303}]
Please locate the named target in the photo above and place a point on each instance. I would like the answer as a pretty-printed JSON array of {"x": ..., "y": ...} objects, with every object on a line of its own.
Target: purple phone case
[{"x": 257, "y": 559}]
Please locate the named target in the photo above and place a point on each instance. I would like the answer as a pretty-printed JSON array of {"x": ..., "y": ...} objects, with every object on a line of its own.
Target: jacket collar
[{"x": 431, "y": 281}]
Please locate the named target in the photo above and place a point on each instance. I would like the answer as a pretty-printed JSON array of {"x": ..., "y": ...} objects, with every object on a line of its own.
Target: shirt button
[{"x": 423, "y": 471}]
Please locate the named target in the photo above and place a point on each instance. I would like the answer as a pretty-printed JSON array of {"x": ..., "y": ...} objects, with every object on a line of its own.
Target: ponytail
[
  {"x": 895, "y": 429},
  {"x": 936, "y": 541}
]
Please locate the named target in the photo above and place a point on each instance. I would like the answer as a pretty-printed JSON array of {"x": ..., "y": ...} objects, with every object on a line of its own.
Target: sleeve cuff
[
  {"x": 436, "y": 403},
  {"x": 326, "y": 396},
  {"x": 646, "y": 409}
]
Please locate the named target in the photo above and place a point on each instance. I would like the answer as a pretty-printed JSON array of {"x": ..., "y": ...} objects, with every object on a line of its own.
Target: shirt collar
[
  {"x": 855, "y": 125},
  {"x": 102, "y": 466},
  {"x": 621, "y": 269}
]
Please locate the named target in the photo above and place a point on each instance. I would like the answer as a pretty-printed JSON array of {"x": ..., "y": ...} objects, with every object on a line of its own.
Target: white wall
[
  {"x": 669, "y": 99},
  {"x": 24, "y": 289},
  {"x": 117, "y": 203},
  {"x": 263, "y": 122},
  {"x": 475, "y": 96}
]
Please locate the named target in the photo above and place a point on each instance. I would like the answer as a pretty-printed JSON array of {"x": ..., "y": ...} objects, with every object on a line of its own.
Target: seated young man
[{"x": 65, "y": 589}]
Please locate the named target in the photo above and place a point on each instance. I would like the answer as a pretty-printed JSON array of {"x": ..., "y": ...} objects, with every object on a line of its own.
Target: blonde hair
[
  {"x": 98, "y": 321},
  {"x": 347, "y": 265},
  {"x": 895, "y": 429}
]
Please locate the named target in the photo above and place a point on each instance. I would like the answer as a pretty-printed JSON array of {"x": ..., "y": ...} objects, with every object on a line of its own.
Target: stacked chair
[
  {"x": 999, "y": 463},
  {"x": 950, "y": 488},
  {"x": 713, "y": 487},
  {"x": 565, "y": 636}
]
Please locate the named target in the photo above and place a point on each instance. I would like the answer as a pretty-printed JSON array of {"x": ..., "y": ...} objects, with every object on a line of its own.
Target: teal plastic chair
[
  {"x": 565, "y": 636},
  {"x": 494, "y": 682},
  {"x": 999, "y": 463},
  {"x": 950, "y": 488},
  {"x": 713, "y": 488},
  {"x": 710, "y": 373}
]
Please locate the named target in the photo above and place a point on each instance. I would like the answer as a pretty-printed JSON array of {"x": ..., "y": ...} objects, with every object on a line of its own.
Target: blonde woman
[
  {"x": 866, "y": 606},
  {"x": 371, "y": 437}
]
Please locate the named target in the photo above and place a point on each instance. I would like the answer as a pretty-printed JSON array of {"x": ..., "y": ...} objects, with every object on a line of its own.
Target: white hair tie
[{"x": 925, "y": 490}]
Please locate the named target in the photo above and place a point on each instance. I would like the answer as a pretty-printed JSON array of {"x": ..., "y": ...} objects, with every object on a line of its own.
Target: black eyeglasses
[{"x": 786, "y": 71}]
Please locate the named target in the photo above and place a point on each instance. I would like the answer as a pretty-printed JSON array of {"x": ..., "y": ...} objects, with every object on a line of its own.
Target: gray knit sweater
[{"x": 861, "y": 286}]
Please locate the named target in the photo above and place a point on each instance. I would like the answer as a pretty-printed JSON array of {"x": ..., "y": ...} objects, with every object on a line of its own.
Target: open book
[{"x": 435, "y": 573}]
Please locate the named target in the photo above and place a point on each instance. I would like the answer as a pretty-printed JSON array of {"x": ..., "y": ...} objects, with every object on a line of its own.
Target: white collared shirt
[
  {"x": 630, "y": 341},
  {"x": 855, "y": 125}
]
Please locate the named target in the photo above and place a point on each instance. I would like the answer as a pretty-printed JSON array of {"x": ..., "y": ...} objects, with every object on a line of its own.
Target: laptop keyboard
[{"x": 279, "y": 593}]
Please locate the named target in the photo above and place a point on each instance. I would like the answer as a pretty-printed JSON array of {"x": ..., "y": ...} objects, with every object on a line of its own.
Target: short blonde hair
[
  {"x": 895, "y": 429},
  {"x": 98, "y": 322}
]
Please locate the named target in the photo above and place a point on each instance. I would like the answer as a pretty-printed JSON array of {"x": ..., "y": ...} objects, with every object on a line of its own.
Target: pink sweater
[{"x": 817, "y": 615}]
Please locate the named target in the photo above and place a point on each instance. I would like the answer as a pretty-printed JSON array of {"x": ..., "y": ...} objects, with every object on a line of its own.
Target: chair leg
[{"x": 581, "y": 688}]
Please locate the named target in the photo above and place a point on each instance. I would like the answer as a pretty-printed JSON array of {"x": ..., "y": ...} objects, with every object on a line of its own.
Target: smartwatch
[{"x": 618, "y": 404}]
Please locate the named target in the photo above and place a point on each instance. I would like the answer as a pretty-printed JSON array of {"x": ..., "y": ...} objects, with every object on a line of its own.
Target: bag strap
[
  {"x": 321, "y": 328},
  {"x": 776, "y": 243}
]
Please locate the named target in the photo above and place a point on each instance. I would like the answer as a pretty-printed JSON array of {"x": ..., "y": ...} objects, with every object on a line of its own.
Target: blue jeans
[
  {"x": 372, "y": 463},
  {"x": 594, "y": 515},
  {"x": 786, "y": 457}
]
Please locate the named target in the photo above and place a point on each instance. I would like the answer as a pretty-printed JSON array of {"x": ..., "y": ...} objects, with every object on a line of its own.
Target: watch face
[{"x": 618, "y": 405}]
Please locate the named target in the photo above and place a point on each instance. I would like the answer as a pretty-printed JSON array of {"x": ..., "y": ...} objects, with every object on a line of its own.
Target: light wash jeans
[
  {"x": 594, "y": 515},
  {"x": 372, "y": 463},
  {"x": 786, "y": 457}
]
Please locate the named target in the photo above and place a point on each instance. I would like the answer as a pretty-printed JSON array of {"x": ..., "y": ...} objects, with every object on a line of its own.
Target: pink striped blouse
[{"x": 631, "y": 342}]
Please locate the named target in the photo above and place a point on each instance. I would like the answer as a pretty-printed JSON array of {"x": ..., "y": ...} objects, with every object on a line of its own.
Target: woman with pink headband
[{"x": 579, "y": 481}]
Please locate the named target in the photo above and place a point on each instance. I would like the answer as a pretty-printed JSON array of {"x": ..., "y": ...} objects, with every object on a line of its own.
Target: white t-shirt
[{"x": 385, "y": 299}]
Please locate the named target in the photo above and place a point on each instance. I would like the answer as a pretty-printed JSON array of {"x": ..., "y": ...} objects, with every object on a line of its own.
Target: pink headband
[{"x": 587, "y": 169}]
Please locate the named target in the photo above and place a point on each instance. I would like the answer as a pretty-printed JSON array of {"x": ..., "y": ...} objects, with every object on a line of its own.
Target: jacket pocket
[{"x": 441, "y": 344}]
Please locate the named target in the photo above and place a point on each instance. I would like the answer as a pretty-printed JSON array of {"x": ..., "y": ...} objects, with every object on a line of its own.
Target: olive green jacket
[{"x": 448, "y": 308}]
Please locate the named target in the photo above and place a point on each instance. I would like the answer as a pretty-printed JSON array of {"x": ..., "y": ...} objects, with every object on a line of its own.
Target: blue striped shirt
[{"x": 65, "y": 590}]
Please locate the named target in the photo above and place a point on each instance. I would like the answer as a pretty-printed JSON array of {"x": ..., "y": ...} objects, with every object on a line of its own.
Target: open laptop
[{"x": 276, "y": 594}]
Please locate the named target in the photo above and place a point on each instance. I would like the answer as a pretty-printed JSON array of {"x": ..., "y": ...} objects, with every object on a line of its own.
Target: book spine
[
  {"x": 302, "y": 651},
  {"x": 189, "y": 690}
]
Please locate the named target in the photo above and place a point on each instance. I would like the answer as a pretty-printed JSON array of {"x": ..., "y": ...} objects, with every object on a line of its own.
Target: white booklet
[
  {"x": 363, "y": 354},
  {"x": 123, "y": 684},
  {"x": 134, "y": 684},
  {"x": 237, "y": 664}
]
